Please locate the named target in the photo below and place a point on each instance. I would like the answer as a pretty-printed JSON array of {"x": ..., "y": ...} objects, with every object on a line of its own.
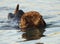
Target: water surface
[{"x": 49, "y": 9}]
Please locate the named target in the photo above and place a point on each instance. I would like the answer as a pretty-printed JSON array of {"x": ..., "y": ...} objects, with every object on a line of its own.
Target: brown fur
[{"x": 32, "y": 19}]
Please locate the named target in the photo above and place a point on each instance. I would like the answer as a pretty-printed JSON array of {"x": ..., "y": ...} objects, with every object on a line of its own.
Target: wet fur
[{"x": 31, "y": 19}]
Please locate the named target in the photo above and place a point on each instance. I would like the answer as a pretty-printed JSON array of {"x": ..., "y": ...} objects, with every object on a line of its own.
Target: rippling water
[{"x": 50, "y": 10}]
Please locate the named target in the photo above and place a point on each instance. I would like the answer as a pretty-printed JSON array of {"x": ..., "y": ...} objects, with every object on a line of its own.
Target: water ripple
[{"x": 5, "y": 8}]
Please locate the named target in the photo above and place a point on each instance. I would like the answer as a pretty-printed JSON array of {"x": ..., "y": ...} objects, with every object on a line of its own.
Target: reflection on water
[
  {"x": 5, "y": 8},
  {"x": 33, "y": 33}
]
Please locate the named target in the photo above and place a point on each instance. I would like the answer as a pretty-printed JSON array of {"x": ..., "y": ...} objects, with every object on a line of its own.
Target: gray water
[{"x": 49, "y": 9}]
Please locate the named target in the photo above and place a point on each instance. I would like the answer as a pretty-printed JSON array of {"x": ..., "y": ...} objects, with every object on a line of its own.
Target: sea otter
[
  {"x": 12, "y": 15},
  {"x": 31, "y": 19},
  {"x": 16, "y": 15}
]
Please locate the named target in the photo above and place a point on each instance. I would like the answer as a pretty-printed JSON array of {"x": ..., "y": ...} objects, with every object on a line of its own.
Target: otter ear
[{"x": 17, "y": 8}]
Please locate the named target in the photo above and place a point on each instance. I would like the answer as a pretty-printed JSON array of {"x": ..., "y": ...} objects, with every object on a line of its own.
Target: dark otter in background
[
  {"x": 17, "y": 14},
  {"x": 11, "y": 15},
  {"x": 31, "y": 19}
]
